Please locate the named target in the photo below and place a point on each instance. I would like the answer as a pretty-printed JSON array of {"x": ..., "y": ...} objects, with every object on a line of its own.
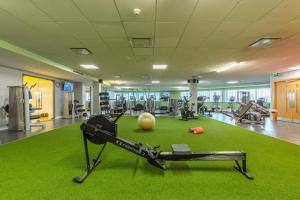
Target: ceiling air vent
[
  {"x": 141, "y": 42},
  {"x": 81, "y": 51},
  {"x": 264, "y": 41}
]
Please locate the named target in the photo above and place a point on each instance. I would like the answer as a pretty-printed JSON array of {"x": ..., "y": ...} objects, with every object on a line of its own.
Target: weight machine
[
  {"x": 250, "y": 113},
  {"x": 20, "y": 110},
  {"x": 150, "y": 104},
  {"x": 187, "y": 112},
  {"x": 101, "y": 129}
]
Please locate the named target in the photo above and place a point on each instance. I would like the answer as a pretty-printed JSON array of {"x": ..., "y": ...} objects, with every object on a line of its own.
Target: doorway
[
  {"x": 287, "y": 100},
  {"x": 88, "y": 96},
  {"x": 41, "y": 97}
]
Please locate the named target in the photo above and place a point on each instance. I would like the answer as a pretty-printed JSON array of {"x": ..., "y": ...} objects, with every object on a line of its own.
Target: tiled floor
[
  {"x": 283, "y": 130},
  {"x": 9, "y": 136}
]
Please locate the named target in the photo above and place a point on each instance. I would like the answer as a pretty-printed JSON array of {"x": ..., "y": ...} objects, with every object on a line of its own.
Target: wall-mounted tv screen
[
  {"x": 68, "y": 87},
  {"x": 166, "y": 94}
]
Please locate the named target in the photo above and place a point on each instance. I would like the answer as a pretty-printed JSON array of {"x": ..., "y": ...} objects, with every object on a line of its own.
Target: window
[
  {"x": 210, "y": 94},
  {"x": 264, "y": 93},
  {"x": 139, "y": 95},
  {"x": 184, "y": 94},
  {"x": 255, "y": 93}
]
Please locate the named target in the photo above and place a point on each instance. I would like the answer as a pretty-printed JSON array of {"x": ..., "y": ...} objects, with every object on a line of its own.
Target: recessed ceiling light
[
  {"x": 81, "y": 51},
  {"x": 232, "y": 82},
  {"x": 228, "y": 66},
  {"x": 116, "y": 76},
  {"x": 160, "y": 66},
  {"x": 147, "y": 84},
  {"x": 294, "y": 68},
  {"x": 89, "y": 66},
  {"x": 155, "y": 82}
]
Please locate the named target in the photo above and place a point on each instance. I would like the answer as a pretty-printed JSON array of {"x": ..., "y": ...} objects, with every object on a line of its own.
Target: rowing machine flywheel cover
[{"x": 101, "y": 122}]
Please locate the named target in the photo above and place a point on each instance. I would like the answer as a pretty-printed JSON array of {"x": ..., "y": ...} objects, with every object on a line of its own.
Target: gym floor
[
  {"x": 54, "y": 158},
  {"x": 10, "y": 136},
  {"x": 282, "y": 130},
  {"x": 279, "y": 129}
]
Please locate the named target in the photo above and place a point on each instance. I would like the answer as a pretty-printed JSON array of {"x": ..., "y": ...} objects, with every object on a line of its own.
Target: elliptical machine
[{"x": 186, "y": 112}]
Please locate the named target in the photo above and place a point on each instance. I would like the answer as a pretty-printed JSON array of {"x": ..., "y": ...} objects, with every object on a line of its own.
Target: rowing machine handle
[{"x": 119, "y": 116}]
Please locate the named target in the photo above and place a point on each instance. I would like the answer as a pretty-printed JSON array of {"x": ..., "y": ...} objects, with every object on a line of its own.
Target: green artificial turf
[{"x": 42, "y": 167}]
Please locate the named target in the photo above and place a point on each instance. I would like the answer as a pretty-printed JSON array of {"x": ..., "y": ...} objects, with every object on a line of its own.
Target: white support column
[
  {"x": 79, "y": 92},
  {"x": 95, "y": 100},
  {"x": 193, "y": 93}
]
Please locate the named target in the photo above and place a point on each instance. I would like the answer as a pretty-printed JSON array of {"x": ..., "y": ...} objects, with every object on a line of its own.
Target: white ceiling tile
[
  {"x": 251, "y": 10},
  {"x": 110, "y": 29},
  {"x": 95, "y": 44},
  {"x": 229, "y": 29},
  {"x": 213, "y": 9},
  {"x": 285, "y": 11},
  {"x": 163, "y": 52},
  {"x": 99, "y": 11},
  {"x": 13, "y": 27},
  {"x": 60, "y": 10},
  {"x": 262, "y": 28},
  {"x": 240, "y": 43},
  {"x": 174, "y": 10},
  {"x": 126, "y": 7},
  {"x": 51, "y": 29},
  {"x": 118, "y": 42},
  {"x": 143, "y": 51},
  {"x": 139, "y": 29},
  {"x": 124, "y": 52},
  {"x": 169, "y": 29},
  {"x": 166, "y": 42},
  {"x": 213, "y": 42},
  {"x": 187, "y": 41},
  {"x": 114, "y": 51},
  {"x": 24, "y": 10},
  {"x": 78, "y": 29},
  {"x": 69, "y": 42},
  {"x": 200, "y": 28}
]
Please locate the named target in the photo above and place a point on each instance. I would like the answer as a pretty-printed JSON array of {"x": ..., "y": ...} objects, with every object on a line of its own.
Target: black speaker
[
  {"x": 100, "y": 81},
  {"x": 193, "y": 81}
]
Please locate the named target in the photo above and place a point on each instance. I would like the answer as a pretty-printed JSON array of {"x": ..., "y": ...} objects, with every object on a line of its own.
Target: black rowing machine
[{"x": 101, "y": 129}]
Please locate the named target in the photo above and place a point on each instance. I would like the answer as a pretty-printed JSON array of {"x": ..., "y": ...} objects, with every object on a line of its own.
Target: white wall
[
  {"x": 59, "y": 98},
  {"x": 95, "y": 100},
  {"x": 79, "y": 92},
  {"x": 286, "y": 75},
  {"x": 8, "y": 77},
  {"x": 13, "y": 77}
]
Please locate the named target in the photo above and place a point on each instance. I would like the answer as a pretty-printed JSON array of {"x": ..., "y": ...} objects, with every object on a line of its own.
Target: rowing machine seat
[{"x": 179, "y": 149}]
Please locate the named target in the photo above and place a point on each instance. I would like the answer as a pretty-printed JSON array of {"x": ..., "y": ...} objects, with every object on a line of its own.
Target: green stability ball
[{"x": 146, "y": 121}]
